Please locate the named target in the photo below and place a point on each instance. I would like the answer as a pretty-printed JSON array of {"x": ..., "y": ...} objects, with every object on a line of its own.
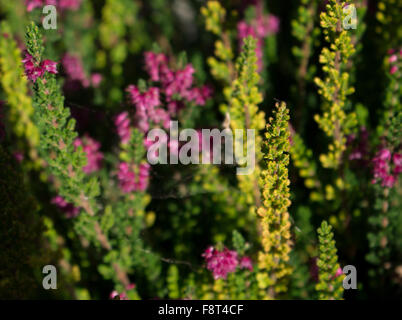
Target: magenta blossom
[
  {"x": 114, "y": 295},
  {"x": 75, "y": 70},
  {"x": 147, "y": 107},
  {"x": 19, "y": 156},
  {"x": 154, "y": 63},
  {"x": 259, "y": 28},
  {"x": 246, "y": 263},
  {"x": 50, "y": 66},
  {"x": 96, "y": 79},
  {"x": 220, "y": 262},
  {"x": 32, "y": 4},
  {"x": 394, "y": 60},
  {"x": 33, "y": 70},
  {"x": 360, "y": 150},
  {"x": 94, "y": 156},
  {"x": 70, "y": 4},
  {"x": 397, "y": 159},
  {"x": 61, "y": 4},
  {"x": 133, "y": 178},
  {"x": 382, "y": 168},
  {"x": 338, "y": 272},
  {"x": 68, "y": 208},
  {"x": 122, "y": 123}
]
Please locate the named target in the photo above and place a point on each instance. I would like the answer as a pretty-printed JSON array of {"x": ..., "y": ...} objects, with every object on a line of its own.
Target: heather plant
[
  {"x": 319, "y": 88},
  {"x": 329, "y": 286}
]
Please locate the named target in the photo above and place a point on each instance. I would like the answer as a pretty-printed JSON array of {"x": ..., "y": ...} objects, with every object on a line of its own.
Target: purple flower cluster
[
  {"x": 360, "y": 149},
  {"x": 177, "y": 86},
  {"x": 259, "y": 28},
  {"x": 68, "y": 208},
  {"x": 147, "y": 110},
  {"x": 132, "y": 177},
  {"x": 62, "y": 4},
  {"x": 246, "y": 263},
  {"x": 34, "y": 70},
  {"x": 75, "y": 71},
  {"x": 382, "y": 167},
  {"x": 394, "y": 60},
  {"x": 220, "y": 263},
  {"x": 91, "y": 148},
  {"x": 122, "y": 123}
]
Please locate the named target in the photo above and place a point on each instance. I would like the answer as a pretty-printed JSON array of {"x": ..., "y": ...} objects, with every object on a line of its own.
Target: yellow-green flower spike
[{"x": 273, "y": 260}]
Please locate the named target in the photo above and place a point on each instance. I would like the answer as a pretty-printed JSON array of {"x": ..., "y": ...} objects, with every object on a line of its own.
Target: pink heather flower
[
  {"x": 70, "y": 4},
  {"x": 153, "y": 63},
  {"x": 382, "y": 165},
  {"x": 391, "y": 51},
  {"x": 176, "y": 85},
  {"x": 123, "y": 295},
  {"x": 74, "y": 69},
  {"x": 199, "y": 95},
  {"x": 266, "y": 25},
  {"x": 143, "y": 176},
  {"x": 381, "y": 168},
  {"x": 94, "y": 156},
  {"x": 246, "y": 263},
  {"x": 180, "y": 83},
  {"x": 393, "y": 58},
  {"x": 397, "y": 159},
  {"x": 220, "y": 262},
  {"x": 61, "y": 4},
  {"x": 49, "y": 66},
  {"x": 34, "y": 71},
  {"x": 122, "y": 123},
  {"x": 67, "y": 208},
  {"x": 32, "y": 4},
  {"x": 147, "y": 109},
  {"x": 96, "y": 79},
  {"x": 130, "y": 181},
  {"x": 114, "y": 294},
  {"x": 126, "y": 178},
  {"x": 339, "y": 272},
  {"x": 19, "y": 156},
  {"x": 130, "y": 286},
  {"x": 259, "y": 28},
  {"x": 360, "y": 151},
  {"x": 383, "y": 154},
  {"x": 388, "y": 181}
]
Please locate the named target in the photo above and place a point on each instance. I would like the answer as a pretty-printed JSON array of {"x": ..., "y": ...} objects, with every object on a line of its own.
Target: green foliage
[
  {"x": 335, "y": 87},
  {"x": 302, "y": 159},
  {"x": 329, "y": 286},
  {"x": 155, "y": 238},
  {"x": 15, "y": 87},
  {"x": 273, "y": 261}
]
